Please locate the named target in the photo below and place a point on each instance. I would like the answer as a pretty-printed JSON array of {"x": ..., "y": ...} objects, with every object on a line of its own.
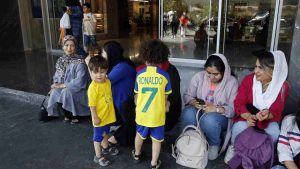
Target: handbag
[{"x": 43, "y": 114}]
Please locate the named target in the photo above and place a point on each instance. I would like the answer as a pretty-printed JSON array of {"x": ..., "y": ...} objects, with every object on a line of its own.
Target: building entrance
[{"x": 238, "y": 29}]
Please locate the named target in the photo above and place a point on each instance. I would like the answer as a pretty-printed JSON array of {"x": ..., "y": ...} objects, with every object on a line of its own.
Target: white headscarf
[{"x": 265, "y": 100}]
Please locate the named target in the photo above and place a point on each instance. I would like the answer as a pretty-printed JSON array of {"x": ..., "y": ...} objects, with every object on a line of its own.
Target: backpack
[
  {"x": 191, "y": 148},
  {"x": 253, "y": 149}
]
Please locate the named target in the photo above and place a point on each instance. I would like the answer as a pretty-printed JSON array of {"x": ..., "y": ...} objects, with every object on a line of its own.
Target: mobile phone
[{"x": 200, "y": 101}]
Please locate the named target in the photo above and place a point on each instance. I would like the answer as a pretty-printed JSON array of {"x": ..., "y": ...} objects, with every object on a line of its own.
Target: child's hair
[
  {"x": 97, "y": 62},
  {"x": 154, "y": 51},
  {"x": 88, "y": 5}
]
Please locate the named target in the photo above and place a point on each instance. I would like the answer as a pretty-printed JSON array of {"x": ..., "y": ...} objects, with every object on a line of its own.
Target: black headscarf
[{"x": 114, "y": 53}]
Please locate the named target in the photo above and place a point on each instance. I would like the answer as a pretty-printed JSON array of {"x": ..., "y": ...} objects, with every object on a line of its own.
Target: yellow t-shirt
[
  {"x": 152, "y": 85},
  {"x": 100, "y": 96}
]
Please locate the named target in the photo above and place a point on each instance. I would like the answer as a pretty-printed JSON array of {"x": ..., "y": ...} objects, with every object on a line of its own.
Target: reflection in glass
[
  {"x": 98, "y": 9},
  {"x": 248, "y": 29},
  {"x": 189, "y": 27},
  {"x": 287, "y": 22},
  {"x": 55, "y": 13}
]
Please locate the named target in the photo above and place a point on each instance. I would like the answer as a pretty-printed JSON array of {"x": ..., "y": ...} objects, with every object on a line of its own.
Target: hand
[
  {"x": 96, "y": 121},
  {"x": 196, "y": 104},
  {"x": 57, "y": 86},
  {"x": 167, "y": 106},
  {"x": 263, "y": 115},
  {"x": 251, "y": 120},
  {"x": 209, "y": 107}
]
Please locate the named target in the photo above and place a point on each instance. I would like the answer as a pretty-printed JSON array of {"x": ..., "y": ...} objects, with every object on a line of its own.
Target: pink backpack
[{"x": 253, "y": 149}]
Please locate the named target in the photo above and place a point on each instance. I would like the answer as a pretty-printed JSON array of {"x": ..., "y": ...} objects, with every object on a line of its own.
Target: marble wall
[
  {"x": 10, "y": 27},
  {"x": 294, "y": 68}
]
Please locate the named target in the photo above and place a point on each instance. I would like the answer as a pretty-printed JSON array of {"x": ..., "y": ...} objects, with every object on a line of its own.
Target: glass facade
[
  {"x": 245, "y": 27},
  {"x": 55, "y": 12}
]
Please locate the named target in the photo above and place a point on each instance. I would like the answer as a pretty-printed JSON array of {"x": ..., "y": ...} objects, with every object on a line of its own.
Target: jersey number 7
[{"x": 149, "y": 101}]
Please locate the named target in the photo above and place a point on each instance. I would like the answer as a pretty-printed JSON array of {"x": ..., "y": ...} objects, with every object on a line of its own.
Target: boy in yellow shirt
[
  {"x": 102, "y": 109},
  {"x": 152, "y": 87}
]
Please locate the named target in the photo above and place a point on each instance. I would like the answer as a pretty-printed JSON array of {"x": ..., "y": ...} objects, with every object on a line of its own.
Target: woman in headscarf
[
  {"x": 121, "y": 73},
  {"x": 212, "y": 90},
  {"x": 261, "y": 97},
  {"x": 70, "y": 81}
]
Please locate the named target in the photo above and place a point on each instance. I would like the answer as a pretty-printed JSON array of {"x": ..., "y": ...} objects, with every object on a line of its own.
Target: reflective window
[
  {"x": 287, "y": 22},
  {"x": 247, "y": 31},
  {"x": 190, "y": 28}
]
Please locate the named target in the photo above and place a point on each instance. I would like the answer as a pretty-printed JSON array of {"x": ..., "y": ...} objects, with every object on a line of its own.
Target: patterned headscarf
[
  {"x": 67, "y": 38},
  {"x": 65, "y": 60}
]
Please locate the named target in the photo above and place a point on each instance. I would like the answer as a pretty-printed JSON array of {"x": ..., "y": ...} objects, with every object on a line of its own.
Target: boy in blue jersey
[{"x": 152, "y": 87}]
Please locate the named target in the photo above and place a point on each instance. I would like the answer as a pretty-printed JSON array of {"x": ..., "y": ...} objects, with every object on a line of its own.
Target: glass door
[
  {"x": 288, "y": 14},
  {"x": 55, "y": 12},
  {"x": 52, "y": 12},
  {"x": 189, "y": 27},
  {"x": 247, "y": 29}
]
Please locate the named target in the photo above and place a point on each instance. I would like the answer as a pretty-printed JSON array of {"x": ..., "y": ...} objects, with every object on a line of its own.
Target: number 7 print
[{"x": 149, "y": 101}]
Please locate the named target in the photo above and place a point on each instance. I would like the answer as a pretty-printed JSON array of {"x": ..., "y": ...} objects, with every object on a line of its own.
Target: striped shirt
[{"x": 289, "y": 139}]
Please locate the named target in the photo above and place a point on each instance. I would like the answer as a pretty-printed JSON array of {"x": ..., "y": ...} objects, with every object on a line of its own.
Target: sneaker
[
  {"x": 157, "y": 166},
  {"x": 229, "y": 154},
  {"x": 136, "y": 158},
  {"x": 102, "y": 161},
  {"x": 213, "y": 152}
]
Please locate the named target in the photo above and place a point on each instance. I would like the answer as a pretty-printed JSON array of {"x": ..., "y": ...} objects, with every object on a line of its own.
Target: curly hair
[{"x": 154, "y": 51}]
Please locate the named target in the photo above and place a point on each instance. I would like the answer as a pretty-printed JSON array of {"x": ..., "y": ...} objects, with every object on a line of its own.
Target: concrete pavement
[{"x": 26, "y": 143}]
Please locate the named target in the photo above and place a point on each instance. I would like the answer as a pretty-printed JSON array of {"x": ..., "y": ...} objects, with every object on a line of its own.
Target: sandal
[
  {"x": 102, "y": 161},
  {"x": 157, "y": 165},
  {"x": 66, "y": 119},
  {"x": 136, "y": 158},
  {"x": 111, "y": 149},
  {"x": 74, "y": 121}
]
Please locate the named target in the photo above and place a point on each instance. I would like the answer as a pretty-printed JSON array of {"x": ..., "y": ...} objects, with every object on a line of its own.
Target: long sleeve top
[
  {"x": 199, "y": 88},
  {"x": 289, "y": 139},
  {"x": 245, "y": 96},
  {"x": 122, "y": 78}
]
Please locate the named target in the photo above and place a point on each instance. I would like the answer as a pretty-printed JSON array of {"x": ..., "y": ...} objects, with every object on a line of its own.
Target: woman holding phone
[{"x": 212, "y": 90}]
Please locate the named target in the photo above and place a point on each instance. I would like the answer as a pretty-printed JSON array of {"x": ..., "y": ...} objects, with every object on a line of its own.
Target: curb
[{"x": 22, "y": 96}]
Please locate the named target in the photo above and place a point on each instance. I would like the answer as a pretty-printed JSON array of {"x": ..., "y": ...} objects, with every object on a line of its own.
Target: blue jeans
[
  {"x": 79, "y": 50},
  {"x": 212, "y": 124},
  {"x": 89, "y": 40},
  {"x": 278, "y": 167},
  {"x": 273, "y": 130}
]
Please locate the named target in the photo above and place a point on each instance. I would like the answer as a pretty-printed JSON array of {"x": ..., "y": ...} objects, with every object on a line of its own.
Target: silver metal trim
[
  {"x": 278, "y": 25},
  {"x": 209, "y": 16},
  {"x": 46, "y": 25},
  {"x": 274, "y": 25},
  {"x": 225, "y": 25},
  {"x": 219, "y": 26}
]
